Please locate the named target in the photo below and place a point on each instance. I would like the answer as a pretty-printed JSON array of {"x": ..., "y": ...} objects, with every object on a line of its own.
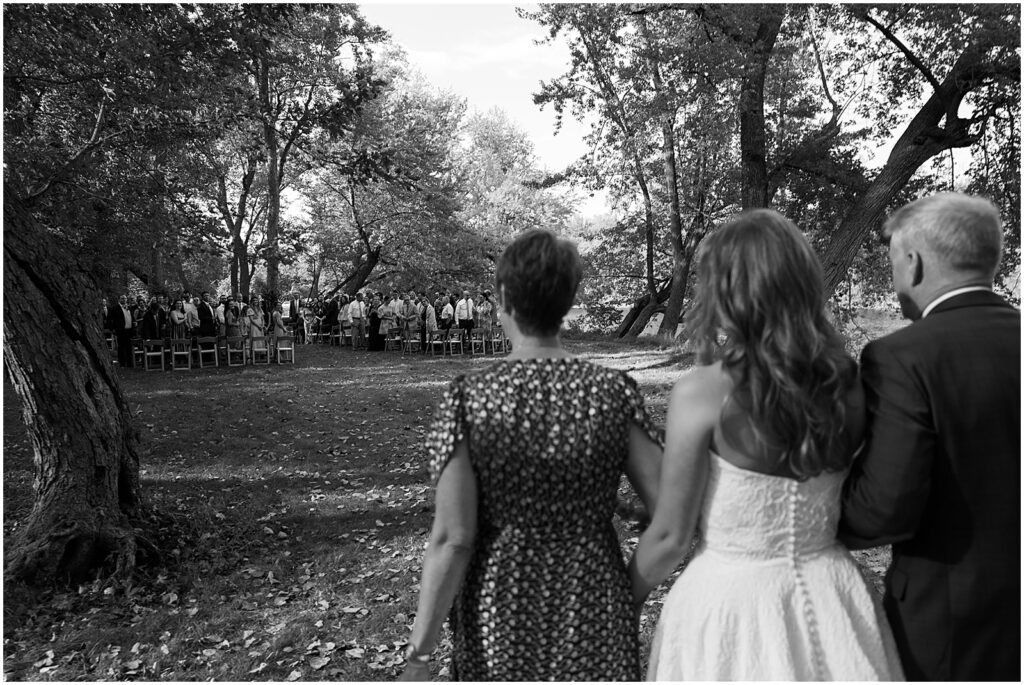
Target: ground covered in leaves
[{"x": 293, "y": 507}]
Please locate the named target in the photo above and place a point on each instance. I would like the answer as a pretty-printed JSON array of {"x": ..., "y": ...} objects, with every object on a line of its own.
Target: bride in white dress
[{"x": 759, "y": 437}]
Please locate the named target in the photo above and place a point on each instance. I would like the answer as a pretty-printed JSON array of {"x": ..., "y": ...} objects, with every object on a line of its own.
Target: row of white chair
[{"x": 178, "y": 353}]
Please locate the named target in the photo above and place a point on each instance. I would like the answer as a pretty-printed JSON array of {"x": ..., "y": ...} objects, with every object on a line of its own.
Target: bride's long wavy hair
[{"x": 760, "y": 309}]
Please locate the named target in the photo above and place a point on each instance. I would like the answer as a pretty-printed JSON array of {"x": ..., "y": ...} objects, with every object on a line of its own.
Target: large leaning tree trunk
[
  {"x": 87, "y": 494},
  {"x": 935, "y": 128}
]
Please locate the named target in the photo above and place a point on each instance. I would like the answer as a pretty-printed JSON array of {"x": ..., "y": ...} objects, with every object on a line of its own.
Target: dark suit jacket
[
  {"x": 207, "y": 322},
  {"x": 116, "y": 321},
  {"x": 939, "y": 478}
]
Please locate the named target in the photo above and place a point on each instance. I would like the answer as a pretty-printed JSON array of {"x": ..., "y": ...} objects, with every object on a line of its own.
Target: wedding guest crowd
[{"x": 367, "y": 318}]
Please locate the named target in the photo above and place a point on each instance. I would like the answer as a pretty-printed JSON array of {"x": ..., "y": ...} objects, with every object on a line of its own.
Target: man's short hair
[{"x": 963, "y": 232}]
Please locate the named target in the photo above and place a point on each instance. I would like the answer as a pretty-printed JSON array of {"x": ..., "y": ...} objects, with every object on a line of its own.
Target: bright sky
[{"x": 485, "y": 53}]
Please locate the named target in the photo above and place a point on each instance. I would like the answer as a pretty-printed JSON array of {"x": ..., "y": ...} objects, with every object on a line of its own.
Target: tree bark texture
[
  {"x": 270, "y": 139},
  {"x": 86, "y": 489},
  {"x": 668, "y": 154},
  {"x": 753, "y": 148}
]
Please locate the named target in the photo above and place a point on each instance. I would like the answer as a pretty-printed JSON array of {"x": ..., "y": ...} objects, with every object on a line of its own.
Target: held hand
[{"x": 415, "y": 671}]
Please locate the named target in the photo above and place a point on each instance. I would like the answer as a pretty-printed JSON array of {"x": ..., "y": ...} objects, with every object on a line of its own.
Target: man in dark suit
[
  {"x": 120, "y": 321},
  {"x": 939, "y": 475},
  {"x": 207, "y": 316}
]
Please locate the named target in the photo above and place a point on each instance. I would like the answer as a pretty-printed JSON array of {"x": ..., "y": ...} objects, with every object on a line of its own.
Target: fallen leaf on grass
[
  {"x": 319, "y": 662},
  {"x": 294, "y": 675},
  {"x": 356, "y": 653}
]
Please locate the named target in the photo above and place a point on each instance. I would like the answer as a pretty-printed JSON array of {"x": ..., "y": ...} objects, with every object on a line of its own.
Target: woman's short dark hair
[{"x": 538, "y": 275}]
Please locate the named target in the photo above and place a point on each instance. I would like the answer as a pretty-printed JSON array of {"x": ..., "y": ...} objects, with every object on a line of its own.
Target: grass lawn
[{"x": 294, "y": 511}]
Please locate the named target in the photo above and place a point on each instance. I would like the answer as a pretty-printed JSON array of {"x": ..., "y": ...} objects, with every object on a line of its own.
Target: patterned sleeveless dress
[{"x": 546, "y": 595}]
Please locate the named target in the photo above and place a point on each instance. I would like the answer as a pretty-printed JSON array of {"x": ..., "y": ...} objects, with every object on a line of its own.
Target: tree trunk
[
  {"x": 753, "y": 149},
  {"x": 242, "y": 262},
  {"x": 643, "y": 318},
  {"x": 668, "y": 153},
  {"x": 363, "y": 270},
  {"x": 87, "y": 492},
  {"x": 636, "y": 319},
  {"x": 234, "y": 274},
  {"x": 922, "y": 140},
  {"x": 273, "y": 171}
]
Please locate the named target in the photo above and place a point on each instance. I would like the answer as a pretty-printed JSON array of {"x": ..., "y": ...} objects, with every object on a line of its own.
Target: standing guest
[
  {"x": 447, "y": 315},
  {"x": 389, "y": 313},
  {"x": 376, "y": 342},
  {"x": 105, "y": 313},
  {"x": 218, "y": 314},
  {"x": 526, "y": 457},
  {"x": 939, "y": 474},
  {"x": 346, "y": 302},
  {"x": 485, "y": 313},
  {"x": 331, "y": 312},
  {"x": 428, "y": 322},
  {"x": 439, "y": 303},
  {"x": 256, "y": 323},
  {"x": 206, "y": 315},
  {"x": 165, "y": 312},
  {"x": 192, "y": 319},
  {"x": 151, "y": 327},
  {"x": 319, "y": 309},
  {"x": 232, "y": 319},
  {"x": 295, "y": 317},
  {"x": 464, "y": 312},
  {"x": 178, "y": 318},
  {"x": 138, "y": 314},
  {"x": 121, "y": 324},
  {"x": 357, "y": 315},
  {"x": 277, "y": 327},
  {"x": 190, "y": 308},
  {"x": 407, "y": 315}
]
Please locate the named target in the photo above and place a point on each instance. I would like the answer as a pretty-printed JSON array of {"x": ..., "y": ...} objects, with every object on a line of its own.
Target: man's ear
[{"x": 916, "y": 268}]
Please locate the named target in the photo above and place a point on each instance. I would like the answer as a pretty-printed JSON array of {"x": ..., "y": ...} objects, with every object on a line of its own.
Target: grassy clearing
[{"x": 294, "y": 509}]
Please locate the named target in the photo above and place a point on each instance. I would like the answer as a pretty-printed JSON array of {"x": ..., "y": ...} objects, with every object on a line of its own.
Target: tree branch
[{"x": 905, "y": 50}]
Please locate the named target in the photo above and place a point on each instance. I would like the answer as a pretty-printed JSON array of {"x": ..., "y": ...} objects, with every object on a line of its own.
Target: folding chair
[
  {"x": 336, "y": 336},
  {"x": 259, "y": 350},
  {"x": 411, "y": 340},
  {"x": 284, "y": 349},
  {"x": 138, "y": 353},
  {"x": 154, "y": 353},
  {"x": 181, "y": 354},
  {"x": 206, "y": 352},
  {"x": 393, "y": 340},
  {"x": 436, "y": 340},
  {"x": 477, "y": 339},
  {"x": 235, "y": 350},
  {"x": 454, "y": 338},
  {"x": 346, "y": 334}
]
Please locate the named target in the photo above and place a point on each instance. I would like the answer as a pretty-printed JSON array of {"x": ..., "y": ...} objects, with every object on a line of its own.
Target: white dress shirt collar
[{"x": 951, "y": 294}]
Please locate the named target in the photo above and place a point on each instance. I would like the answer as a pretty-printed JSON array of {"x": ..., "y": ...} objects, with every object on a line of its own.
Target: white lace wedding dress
[{"x": 770, "y": 594}]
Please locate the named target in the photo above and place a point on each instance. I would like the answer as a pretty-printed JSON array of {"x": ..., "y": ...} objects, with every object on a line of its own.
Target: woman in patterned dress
[{"x": 527, "y": 456}]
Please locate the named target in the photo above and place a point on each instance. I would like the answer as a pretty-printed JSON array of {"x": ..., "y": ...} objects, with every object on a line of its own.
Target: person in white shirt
[
  {"x": 447, "y": 315},
  {"x": 218, "y": 316},
  {"x": 464, "y": 316},
  {"x": 357, "y": 315}
]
